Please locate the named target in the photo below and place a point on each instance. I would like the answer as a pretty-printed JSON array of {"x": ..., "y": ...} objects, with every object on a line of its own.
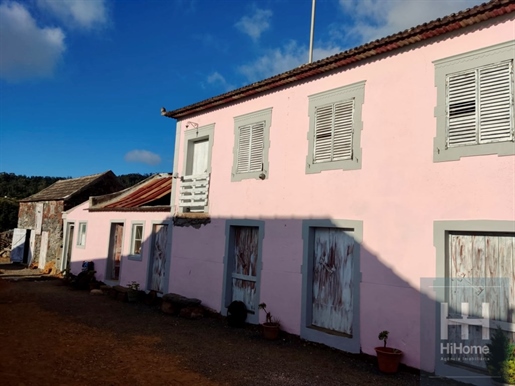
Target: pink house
[
  {"x": 126, "y": 234},
  {"x": 343, "y": 192}
]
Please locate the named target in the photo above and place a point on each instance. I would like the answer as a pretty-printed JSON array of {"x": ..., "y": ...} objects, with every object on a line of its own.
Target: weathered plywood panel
[
  {"x": 43, "y": 250},
  {"x": 478, "y": 263},
  {"x": 158, "y": 267},
  {"x": 245, "y": 261},
  {"x": 18, "y": 245},
  {"x": 332, "y": 280},
  {"x": 39, "y": 217}
]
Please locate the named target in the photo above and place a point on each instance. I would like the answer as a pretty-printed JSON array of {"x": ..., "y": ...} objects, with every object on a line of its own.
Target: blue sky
[{"x": 82, "y": 81}]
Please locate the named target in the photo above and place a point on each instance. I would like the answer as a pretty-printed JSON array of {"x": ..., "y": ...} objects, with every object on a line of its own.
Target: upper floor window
[
  {"x": 81, "y": 239},
  {"x": 475, "y": 103},
  {"x": 251, "y": 145},
  {"x": 335, "y": 129}
]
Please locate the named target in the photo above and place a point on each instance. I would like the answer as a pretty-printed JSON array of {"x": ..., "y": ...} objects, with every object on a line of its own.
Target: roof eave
[{"x": 387, "y": 44}]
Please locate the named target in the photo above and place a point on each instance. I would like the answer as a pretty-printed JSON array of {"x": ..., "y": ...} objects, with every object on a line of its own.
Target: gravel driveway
[{"x": 51, "y": 334}]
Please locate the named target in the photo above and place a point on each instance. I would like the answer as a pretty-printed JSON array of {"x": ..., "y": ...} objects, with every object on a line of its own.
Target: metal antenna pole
[{"x": 312, "y": 31}]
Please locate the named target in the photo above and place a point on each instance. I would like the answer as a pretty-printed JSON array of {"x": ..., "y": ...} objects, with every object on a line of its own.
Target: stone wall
[{"x": 51, "y": 222}]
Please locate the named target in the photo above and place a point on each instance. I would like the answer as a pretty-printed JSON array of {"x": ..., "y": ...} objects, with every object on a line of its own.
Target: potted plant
[
  {"x": 388, "y": 358},
  {"x": 500, "y": 359},
  {"x": 133, "y": 293},
  {"x": 271, "y": 327}
]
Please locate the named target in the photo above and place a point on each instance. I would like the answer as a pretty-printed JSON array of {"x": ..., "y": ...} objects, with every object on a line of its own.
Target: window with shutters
[
  {"x": 251, "y": 132},
  {"x": 136, "y": 241},
  {"x": 335, "y": 129},
  {"x": 475, "y": 97}
]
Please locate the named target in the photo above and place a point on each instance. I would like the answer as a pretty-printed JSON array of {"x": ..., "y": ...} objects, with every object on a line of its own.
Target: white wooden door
[
  {"x": 18, "y": 245},
  {"x": 475, "y": 262},
  {"x": 333, "y": 295},
  {"x": 158, "y": 264}
]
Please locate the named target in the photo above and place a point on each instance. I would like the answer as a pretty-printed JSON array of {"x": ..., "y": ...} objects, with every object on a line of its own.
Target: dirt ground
[{"x": 51, "y": 334}]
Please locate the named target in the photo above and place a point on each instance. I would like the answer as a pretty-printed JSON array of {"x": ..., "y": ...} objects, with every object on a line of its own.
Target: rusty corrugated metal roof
[
  {"x": 65, "y": 189},
  {"x": 453, "y": 22},
  {"x": 135, "y": 197}
]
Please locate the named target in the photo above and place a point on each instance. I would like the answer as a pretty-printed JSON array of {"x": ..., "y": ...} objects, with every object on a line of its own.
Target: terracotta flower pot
[
  {"x": 388, "y": 359},
  {"x": 270, "y": 331}
]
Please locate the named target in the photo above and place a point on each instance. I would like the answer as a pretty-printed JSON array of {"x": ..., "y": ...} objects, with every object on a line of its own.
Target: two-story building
[{"x": 334, "y": 191}]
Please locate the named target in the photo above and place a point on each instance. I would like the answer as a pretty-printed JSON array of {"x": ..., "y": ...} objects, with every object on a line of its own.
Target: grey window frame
[
  {"x": 248, "y": 119},
  {"x": 354, "y": 91},
  {"x": 190, "y": 137},
  {"x": 467, "y": 61}
]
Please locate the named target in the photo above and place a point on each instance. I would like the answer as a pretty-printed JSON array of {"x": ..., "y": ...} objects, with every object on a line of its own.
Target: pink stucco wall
[
  {"x": 97, "y": 241},
  {"x": 398, "y": 193}
]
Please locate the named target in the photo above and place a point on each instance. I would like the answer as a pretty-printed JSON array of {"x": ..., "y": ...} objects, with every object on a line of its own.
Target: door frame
[
  {"x": 229, "y": 264},
  {"x": 68, "y": 244},
  {"x": 109, "y": 267},
  {"x": 168, "y": 255},
  {"x": 352, "y": 343}
]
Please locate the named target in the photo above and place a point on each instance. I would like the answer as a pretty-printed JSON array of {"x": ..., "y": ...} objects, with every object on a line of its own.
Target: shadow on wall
[{"x": 322, "y": 283}]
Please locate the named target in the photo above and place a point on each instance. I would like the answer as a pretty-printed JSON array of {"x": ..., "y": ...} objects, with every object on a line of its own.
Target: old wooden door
[
  {"x": 43, "y": 250},
  {"x": 245, "y": 265},
  {"x": 115, "y": 253},
  {"x": 157, "y": 274},
  {"x": 333, "y": 280},
  {"x": 476, "y": 264}
]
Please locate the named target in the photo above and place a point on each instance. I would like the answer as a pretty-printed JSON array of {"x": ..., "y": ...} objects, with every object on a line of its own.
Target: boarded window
[
  {"x": 333, "y": 131},
  {"x": 480, "y": 105}
]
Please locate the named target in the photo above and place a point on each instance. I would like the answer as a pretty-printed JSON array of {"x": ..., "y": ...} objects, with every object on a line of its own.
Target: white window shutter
[
  {"x": 342, "y": 137},
  {"x": 495, "y": 103},
  {"x": 323, "y": 133},
  {"x": 251, "y": 147},
  {"x": 333, "y": 131},
  {"x": 243, "y": 149},
  {"x": 461, "y": 109},
  {"x": 256, "y": 147}
]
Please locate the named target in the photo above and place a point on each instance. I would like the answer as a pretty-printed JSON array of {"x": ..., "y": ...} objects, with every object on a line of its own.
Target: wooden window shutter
[
  {"x": 461, "y": 109},
  {"x": 250, "y": 148},
  {"x": 257, "y": 141},
  {"x": 342, "y": 137},
  {"x": 480, "y": 105},
  {"x": 243, "y": 149},
  {"x": 334, "y": 131},
  {"x": 495, "y": 103}
]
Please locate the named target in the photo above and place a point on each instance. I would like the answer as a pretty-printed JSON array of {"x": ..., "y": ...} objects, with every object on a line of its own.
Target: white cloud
[
  {"x": 373, "y": 19},
  {"x": 27, "y": 51},
  {"x": 143, "y": 156},
  {"x": 84, "y": 14},
  {"x": 218, "y": 80},
  {"x": 256, "y": 24},
  {"x": 284, "y": 59}
]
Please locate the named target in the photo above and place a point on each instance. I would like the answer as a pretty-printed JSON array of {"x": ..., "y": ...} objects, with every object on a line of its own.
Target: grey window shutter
[
  {"x": 333, "y": 131},
  {"x": 495, "y": 103},
  {"x": 461, "y": 109}
]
